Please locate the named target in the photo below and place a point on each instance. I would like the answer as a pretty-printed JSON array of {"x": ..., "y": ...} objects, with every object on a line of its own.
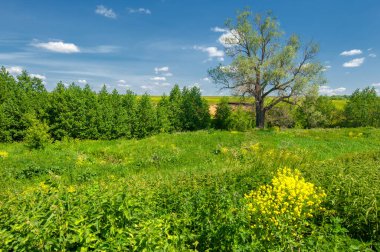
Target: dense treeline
[{"x": 29, "y": 112}]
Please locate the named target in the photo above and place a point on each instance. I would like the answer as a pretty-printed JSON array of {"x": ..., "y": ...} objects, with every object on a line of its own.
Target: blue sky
[{"x": 149, "y": 45}]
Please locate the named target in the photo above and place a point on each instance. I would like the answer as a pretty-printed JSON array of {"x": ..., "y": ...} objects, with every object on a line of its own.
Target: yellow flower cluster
[
  {"x": 285, "y": 204},
  {"x": 3, "y": 154}
]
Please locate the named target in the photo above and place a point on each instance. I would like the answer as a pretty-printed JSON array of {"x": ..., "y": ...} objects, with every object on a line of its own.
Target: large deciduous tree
[{"x": 265, "y": 63}]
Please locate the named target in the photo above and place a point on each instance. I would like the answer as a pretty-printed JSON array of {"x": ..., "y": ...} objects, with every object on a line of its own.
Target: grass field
[{"x": 186, "y": 192}]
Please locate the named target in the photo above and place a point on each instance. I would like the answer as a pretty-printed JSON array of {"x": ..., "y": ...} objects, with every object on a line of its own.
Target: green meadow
[{"x": 187, "y": 192}]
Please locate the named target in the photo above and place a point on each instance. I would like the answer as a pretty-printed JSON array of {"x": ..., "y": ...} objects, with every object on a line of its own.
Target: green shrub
[
  {"x": 241, "y": 120},
  {"x": 37, "y": 135}
]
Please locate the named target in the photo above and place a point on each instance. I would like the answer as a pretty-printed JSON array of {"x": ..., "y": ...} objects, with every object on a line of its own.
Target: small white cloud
[
  {"x": 103, "y": 11},
  {"x": 212, "y": 52},
  {"x": 206, "y": 79},
  {"x": 354, "y": 63},
  {"x": 14, "y": 70},
  {"x": 167, "y": 74},
  {"x": 123, "y": 85},
  {"x": 376, "y": 84},
  {"x": 326, "y": 90},
  {"x": 229, "y": 38},
  {"x": 158, "y": 78},
  {"x": 372, "y": 55},
  {"x": 165, "y": 84},
  {"x": 325, "y": 68},
  {"x": 218, "y": 29},
  {"x": 140, "y": 11},
  {"x": 82, "y": 81},
  {"x": 369, "y": 49},
  {"x": 58, "y": 46},
  {"x": 146, "y": 87},
  {"x": 161, "y": 69},
  {"x": 121, "y": 81},
  {"x": 38, "y": 76},
  {"x": 351, "y": 52}
]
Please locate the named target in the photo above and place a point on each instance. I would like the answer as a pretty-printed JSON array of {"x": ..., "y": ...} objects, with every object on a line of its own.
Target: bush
[
  {"x": 223, "y": 114},
  {"x": 240, "y": 120},
  {"x": 363, "y": 109},
  {"x": 37, "y": 136}
]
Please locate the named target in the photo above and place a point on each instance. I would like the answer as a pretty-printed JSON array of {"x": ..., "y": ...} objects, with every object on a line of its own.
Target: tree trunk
[{"x": 260, "y": 114}]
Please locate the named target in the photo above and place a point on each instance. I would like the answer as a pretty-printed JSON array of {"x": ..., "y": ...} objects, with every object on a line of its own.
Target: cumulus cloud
[
  {"x": 376, "y": 84},
  {"x": 212, "y": 52},
  {"x": 158, "y": 78},
  {"x": 58, "y": 46},
  {"x": 14, "y": 70},
  {"x": 140, "y": 11},
  {"x": 326, "y": 90},
  {"x": 82, "y": 81},
  {"x": 229, "y": 38},
  {"x": 103, "y": 11},
  {"x": 38, "y": 76},
  {"x": 354, "y": 63},
  {"x": 206, "y": 79},
  {"x": 161, "y": 69},
  {"x": 218, "y": 29},
  {"x": 372, "y": 55},
  {"x": 121, "y": 81},
  {"x": 351, "y": 52}
]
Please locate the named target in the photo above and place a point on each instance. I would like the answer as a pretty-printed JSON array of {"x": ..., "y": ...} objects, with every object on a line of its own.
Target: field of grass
[{"x": 186, "y": 192}]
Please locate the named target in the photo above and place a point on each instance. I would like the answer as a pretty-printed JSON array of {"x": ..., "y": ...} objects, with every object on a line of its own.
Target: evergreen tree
[
  {"x": 129, "y": 104},
  {"x": 163, "y": 115},
  {"x": 175, "y": 111},
  {"x": 195, "y": 110},
  {"x": 146, "y": 117}
]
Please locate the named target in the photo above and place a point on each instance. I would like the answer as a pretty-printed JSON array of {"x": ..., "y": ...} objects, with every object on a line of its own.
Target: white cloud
[
  {"x": 82, "y": 81},
  {"x": 326, "y": 90},
  {"x": 206, "y": 79},
  {"x": 165, "y": 84},
  {"x": 38, "y": 76},
  {"x": 14, "y": 70},
  {"x": 376, "y": 84},
  {"x": 229, "y": 38},
  {"x": 372, "y": 55},
  {"x": 325, "y": 68},
  {"x": 167, "y": 74},
  {"x": 218, "y": 29},
  {"x": 58, "y": 46},
  {"x": 351, "y": 52},
  {"x": 140, "y": 11},
  {"x": 158, "y": 78},
  {"x": 161, "y": 69},
  {"x": 123, "y": 85},
  {"x": 121, "y": 81},
  {"x": 212, "y": 52},
  {"x": 354, "y": 63},
  {"x": 102, "y": 10}
]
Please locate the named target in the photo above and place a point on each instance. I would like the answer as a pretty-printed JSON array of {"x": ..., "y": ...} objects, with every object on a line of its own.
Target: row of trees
[
  {"x": 77, "y": 112},
  {"x": 28, "y": 111}
]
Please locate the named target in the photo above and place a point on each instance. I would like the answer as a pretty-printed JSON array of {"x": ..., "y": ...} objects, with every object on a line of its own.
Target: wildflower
[
  {"x": 288, "y": 201},
  {"x": 71, "y": 189},
  {"x": 4, "y": 154}
]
